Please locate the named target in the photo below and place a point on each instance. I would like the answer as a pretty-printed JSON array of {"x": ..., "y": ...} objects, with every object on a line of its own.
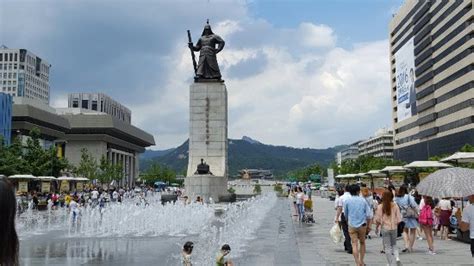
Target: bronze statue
[
  {"x": 203, "y": 169},
  {"x": 207, "y": 68}
]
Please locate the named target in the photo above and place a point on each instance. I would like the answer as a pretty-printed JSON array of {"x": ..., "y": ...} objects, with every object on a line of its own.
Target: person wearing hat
[
  {"x": 187, "y": 250},
  {"x": 220, "y": 261}
]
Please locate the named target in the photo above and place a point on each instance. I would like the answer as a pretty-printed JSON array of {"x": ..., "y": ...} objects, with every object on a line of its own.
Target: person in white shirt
[
  {"x": 115, "y": 195},
  {"x": 467, "y": 221},
  {"x": 342, "y": 220},
  {"x": 73, "y": 207}
]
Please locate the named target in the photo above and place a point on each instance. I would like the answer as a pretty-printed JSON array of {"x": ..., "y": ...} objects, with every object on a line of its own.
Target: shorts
[{"x": 358, "y": 233}]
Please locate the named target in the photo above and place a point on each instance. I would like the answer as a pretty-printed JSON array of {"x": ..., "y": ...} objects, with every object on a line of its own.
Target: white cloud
[{"x": 316, "y": 36}]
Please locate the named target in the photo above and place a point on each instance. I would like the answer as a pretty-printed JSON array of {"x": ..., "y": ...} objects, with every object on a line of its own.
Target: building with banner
[
  {"x": 431, "y": 78},
  {"x": 5, "y": 118}
]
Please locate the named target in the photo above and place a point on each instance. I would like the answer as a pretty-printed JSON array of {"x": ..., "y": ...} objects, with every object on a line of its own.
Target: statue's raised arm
[{"x": 207, "y": 67}]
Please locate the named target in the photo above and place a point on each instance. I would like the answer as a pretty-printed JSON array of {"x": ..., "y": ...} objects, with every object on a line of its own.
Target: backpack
[
  {"x": 408, "y": 211},
  {"x": 426, "y": 216}
]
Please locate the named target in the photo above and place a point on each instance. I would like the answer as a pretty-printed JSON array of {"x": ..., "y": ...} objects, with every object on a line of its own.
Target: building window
[
  {"x": 85, "y": 104},
  {"x": 16, "y": 56},
  {"x": 94, "y": 105},
  {"x": 11, "y": 57}
]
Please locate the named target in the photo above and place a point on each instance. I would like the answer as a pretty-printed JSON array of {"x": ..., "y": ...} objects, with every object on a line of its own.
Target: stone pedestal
[
  {"x": 207, "y": 139},
  {"x": 205, "y": 186}
]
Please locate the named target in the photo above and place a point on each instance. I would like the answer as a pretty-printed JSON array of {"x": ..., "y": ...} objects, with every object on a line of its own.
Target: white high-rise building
[
  {"x": 100, "y": 102},
  {"x": 23, "y": 74}
]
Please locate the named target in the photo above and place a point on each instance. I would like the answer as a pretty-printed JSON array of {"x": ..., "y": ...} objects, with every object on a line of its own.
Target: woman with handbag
[
  {"x": 409, "y": 212},
  {"x": 388, "y": 217}
]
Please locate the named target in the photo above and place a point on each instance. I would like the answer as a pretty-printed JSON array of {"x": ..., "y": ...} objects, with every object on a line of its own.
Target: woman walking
[
  {"x": 388, "y": 217},
  {"x": 446, "y": 211},
  {"x": 426, "y": 222},
  {"x": 299, "y": 203},
  {"x": 406, "y": 201}
]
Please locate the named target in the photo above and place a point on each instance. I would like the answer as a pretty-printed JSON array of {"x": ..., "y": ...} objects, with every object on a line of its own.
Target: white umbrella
[
  {"x": 427, "y": 164},
  {"x": 449, "y": 182},
  {"x": 460, "y": 157},
  {"x": 22, "y": 177}
]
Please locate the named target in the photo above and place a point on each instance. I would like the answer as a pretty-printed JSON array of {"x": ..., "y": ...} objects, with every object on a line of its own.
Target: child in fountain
[
  {"x": 221, "y": 261},
  {"x": 187, "y": 250}
]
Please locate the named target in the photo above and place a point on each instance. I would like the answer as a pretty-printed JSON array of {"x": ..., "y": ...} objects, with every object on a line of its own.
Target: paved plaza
[{"x": 293, "y": 243}]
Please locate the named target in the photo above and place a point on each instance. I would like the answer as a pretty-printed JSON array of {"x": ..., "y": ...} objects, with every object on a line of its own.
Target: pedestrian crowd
[{"x": 397, "y": 213}]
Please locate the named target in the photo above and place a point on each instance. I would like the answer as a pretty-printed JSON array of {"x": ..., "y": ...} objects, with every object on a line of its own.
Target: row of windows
[
  {"x": 433, "y": 25},
  {"x": 435, "y": 130},
  {"x": 9, "y": 66},
  {"x": 9, "y": 88},
  {"x": 456, "y": 75},
  {"x": 9, "y": 57},
  {"x": 8, "y": 75},
  {"x": 10, "y": 82}
]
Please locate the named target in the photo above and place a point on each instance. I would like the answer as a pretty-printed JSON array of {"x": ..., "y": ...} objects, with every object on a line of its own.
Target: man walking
[
  {"x": 342, "y": 219},
  {"x": 359, "y": 215},
  {"x": 467, "y": 221}
]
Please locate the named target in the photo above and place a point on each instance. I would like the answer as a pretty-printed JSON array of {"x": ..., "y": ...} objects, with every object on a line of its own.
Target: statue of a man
[{"x": 207, "y": 67}]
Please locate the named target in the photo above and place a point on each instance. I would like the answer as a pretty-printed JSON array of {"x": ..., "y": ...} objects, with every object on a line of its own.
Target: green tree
[
  {"x": 56, "y": 164},
  {"x": 303, "y": 174},
  {"x": 11, "y": 159},
  {"x": 37, "y": 159},
  {"x": 87, "y": 166},
  {"x": 157, "y": 172},
  {"x": 467, "y": 148}
]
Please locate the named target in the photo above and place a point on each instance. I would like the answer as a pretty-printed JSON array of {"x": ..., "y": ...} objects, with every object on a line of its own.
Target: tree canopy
[{"x": 30, "y": 157}]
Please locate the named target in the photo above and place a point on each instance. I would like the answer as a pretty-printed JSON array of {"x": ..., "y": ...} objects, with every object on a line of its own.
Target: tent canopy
[
  {"x": 427, "y": 164},
  {"x": 395, "y": 169},
  {"x": 46, "y": 178},
  {"x": 68, "y": 178},
  {"x": 376, "y": 173},
  {"x": 460, "y": 157},
  {"x": 22, "y": 177},
  {"x": 80, "y": 179}
]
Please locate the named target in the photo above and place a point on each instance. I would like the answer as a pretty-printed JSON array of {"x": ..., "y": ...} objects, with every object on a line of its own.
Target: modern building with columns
[{"x": 72, "y": 130}]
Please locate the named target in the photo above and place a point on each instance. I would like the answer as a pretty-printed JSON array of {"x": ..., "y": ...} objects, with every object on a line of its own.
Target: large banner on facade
[{"x": 405, "y": 80}]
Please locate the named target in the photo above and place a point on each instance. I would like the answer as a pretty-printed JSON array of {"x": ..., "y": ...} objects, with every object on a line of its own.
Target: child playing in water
[
  {"x": 187, "y": 250},
  {"x": 220, "y": 261}
]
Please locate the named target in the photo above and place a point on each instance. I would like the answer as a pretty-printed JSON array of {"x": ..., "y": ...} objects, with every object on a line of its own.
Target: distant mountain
[
  {"x": 250, "y": 140},
  {"x": 149, "y": 154},
  {"x": 251, "y": 154}
]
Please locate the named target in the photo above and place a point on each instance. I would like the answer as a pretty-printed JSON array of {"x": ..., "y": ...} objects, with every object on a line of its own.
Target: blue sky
[
  {"x": 298, "y": 73},
  {"x": 356, "y": 20}
]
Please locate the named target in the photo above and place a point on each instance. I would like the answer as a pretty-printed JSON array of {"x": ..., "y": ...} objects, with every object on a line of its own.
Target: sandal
[
  {"x": 405, "y": 250},
  {"x": 382, "y": 251}
]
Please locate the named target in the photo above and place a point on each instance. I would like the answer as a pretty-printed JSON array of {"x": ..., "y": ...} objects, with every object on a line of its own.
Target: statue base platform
[{"x": 205, "y": 186}]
